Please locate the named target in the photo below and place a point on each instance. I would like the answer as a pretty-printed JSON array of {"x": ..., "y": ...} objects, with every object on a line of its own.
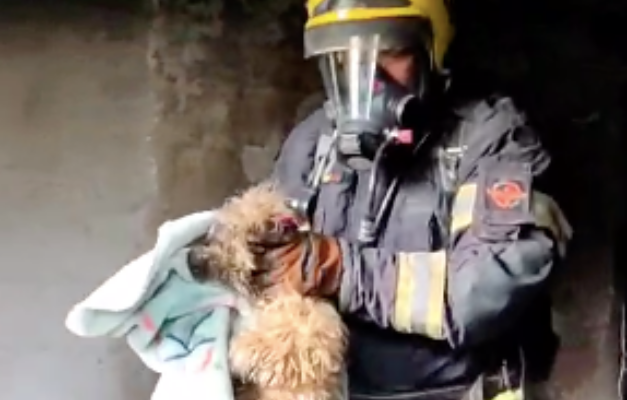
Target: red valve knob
[{"x": 405, "y": 136}]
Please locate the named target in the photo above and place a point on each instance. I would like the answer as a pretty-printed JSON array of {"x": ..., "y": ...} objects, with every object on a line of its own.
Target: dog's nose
[{"x": 196, "y": 264}]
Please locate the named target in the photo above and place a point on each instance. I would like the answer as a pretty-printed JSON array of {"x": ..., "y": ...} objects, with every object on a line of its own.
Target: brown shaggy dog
[{"x": 292, "y": 347}]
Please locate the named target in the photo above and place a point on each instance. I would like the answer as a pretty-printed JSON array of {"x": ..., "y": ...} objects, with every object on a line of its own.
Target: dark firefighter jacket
[{"x": 417, "y": 305}]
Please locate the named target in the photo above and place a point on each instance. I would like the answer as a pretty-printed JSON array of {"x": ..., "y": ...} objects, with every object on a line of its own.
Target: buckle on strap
[
  {"x": 480, "y": 390},
  {"x": 502, "y": 388}
]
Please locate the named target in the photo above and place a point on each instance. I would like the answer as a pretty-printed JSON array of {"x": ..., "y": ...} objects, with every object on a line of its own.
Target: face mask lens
[{"x": 349, "y": 77}]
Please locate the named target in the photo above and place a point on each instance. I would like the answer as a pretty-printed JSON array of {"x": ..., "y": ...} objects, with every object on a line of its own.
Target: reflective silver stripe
[
  {"x": 420, "y": 291},
  {"x": 324, "y": 158}
]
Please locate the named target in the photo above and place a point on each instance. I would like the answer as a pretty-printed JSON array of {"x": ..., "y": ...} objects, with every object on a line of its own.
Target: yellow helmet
[{"x": 399, "y": 23}]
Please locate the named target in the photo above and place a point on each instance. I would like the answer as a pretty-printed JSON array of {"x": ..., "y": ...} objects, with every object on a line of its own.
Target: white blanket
[{"x": 178, "y": 327}]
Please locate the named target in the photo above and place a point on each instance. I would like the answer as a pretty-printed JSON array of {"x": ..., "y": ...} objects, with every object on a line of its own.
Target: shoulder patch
[
  {"x": 507, "y": 194},
  {"x": 504, "y": 193}
]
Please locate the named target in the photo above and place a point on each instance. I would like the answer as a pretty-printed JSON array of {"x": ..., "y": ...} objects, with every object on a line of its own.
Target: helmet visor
[{"x": 349, "y": 77}]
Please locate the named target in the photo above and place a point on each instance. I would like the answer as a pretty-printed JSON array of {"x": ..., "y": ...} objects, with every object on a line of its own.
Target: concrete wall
[
  {"x": 101, "y": 139},
  {"x": 76, "y": 174},
  {"x": 230, "y": 93}
]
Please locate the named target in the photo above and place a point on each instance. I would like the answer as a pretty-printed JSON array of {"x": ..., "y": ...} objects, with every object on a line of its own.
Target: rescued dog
[{"x": 292, "y": 347}]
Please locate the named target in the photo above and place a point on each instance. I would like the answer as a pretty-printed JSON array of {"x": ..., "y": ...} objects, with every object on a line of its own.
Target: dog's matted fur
[{"x": 292, "y": 347}]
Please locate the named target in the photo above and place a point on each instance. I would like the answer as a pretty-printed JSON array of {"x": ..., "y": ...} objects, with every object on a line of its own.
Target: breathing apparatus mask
[{"x": 372, "y": 113}]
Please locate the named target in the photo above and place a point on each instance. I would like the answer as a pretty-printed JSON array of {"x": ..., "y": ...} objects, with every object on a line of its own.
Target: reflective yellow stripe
[
  {"x": 547, "y": 214},
  {"x": 420, "y": 291},
  {"x": 510, "y": 395},
  {"x": 360, "y": 14},
  {"x": 463, "y": 208},
  {"x": 437, "y": 290},
  {"x": 404, "y": 291}
]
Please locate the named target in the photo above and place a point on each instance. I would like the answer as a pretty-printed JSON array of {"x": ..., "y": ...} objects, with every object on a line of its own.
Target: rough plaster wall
[
  {"x": 230, "y": 93},
  {"x": 99, "y": 142},
  {"x": 75, "y": 173}
]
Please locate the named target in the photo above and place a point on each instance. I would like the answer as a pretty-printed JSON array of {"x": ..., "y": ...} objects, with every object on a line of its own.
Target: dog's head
[{"x": 225, "y": 255}]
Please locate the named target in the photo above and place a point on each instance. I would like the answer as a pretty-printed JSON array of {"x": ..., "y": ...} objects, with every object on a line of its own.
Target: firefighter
[{"x": 429, "y": 229}]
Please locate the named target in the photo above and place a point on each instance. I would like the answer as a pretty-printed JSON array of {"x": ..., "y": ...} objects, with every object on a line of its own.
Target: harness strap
[
  {"x": 305, "y": 201},
  {"x": 323, "y": 159}
]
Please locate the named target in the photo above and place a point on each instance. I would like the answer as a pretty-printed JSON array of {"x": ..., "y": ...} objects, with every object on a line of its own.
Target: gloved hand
[{"x": 307, "y": 262}]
